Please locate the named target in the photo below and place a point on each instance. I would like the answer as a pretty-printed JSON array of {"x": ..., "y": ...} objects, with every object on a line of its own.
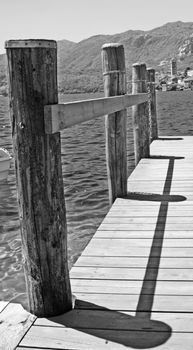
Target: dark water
[{"x": 85, "y": 184}]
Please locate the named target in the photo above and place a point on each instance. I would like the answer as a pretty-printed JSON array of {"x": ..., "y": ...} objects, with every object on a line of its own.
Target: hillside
[
  {"x": 79, "y": 64},
  {"x": 3, "y": 75}
]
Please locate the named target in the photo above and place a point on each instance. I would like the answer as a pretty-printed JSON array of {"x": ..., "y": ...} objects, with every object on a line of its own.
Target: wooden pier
[
  {"x": 132, "y": 287},
  {"x": 133, "y": 284}
]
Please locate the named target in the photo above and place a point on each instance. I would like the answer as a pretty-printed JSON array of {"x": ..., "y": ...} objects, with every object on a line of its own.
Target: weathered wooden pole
[
  {"x": 140, "y": 113},
  {"x": 113, "y": 60},
  {"x": 32, "y": 66},
  {"x": 153, "y": 114}
]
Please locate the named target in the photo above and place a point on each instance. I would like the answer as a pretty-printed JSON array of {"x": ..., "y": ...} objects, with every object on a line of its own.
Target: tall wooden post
[
  {"x": 140, "y": 113},
  {"x": 32, "y": 66},
  {"x": 113, "y": 60},
  {"x": 153, "y": 114}
]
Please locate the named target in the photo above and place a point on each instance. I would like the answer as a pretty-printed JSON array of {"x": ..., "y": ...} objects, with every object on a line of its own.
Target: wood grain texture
[
  {"x": 153, "y": 111},
  {"x": 30, "y": 43},
  {"x": 140, "y": 114},
  {"x": 113, "y": 60},
  {"x": 33, "y": 84}
]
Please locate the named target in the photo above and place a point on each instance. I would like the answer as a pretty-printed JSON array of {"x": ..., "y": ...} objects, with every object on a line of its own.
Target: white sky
[{"x": 79, "y": 19}]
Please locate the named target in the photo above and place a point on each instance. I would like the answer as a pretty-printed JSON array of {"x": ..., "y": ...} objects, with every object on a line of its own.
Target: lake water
[{"x": 85, "y": 182}]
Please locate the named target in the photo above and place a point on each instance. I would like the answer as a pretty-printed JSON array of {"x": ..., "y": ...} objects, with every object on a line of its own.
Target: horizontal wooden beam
[{"x": 62, "y": 116}]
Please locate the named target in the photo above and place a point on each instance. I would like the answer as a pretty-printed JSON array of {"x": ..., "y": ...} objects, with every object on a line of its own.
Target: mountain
[
  {"x": 64, "y": 46},
  {"x": 79, "y": 64},
  {"x": 82, "y": 70}
]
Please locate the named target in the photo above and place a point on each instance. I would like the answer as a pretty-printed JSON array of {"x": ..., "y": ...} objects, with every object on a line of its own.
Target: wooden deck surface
[{"x": 133, "y": 284}]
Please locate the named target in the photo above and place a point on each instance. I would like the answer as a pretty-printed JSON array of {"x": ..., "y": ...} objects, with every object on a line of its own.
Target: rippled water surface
[{"x": 85, "y": 183}]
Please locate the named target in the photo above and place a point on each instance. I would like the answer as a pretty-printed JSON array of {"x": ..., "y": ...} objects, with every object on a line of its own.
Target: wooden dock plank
[
  {"x": 120, "y": 273},
  {"x": 127, "y": 250},
  {"x": 148, "y": 220},
  {"x": 3, "y": 305},
  {"x": 151, "y": 211},
  {"x": 169, "y": 234},
  {"x": 151, "y": 201},
  {"x": 14, "y": 323},
  {"x": 106, "y": 319},
  {"x": 133, "y": 284},
  {"x": 68, "y": 338},
  {"x": 129, "y": 303},
  {"x": 134, "y": 262},
  {"x": 147, "y": 242},
  {"x": 145, "y": 226},
  {"x": 131, "y": 287}
]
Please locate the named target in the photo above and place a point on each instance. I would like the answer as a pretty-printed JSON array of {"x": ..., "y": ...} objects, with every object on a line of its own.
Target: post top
[
  {"x": 30, "y": 43},
  {"x": 150, "y": 69},
  {"x": 138, "y": 64},
  {"x": 111, "y": 45}
]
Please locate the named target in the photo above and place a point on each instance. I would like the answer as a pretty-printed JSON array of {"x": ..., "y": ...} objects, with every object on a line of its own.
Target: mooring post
[
  {"x": 140, "y": 113},
  {"x": 32, "y": 67},
  {"x": 113, "y": 60},
  {"x": 153, "y": 114}
]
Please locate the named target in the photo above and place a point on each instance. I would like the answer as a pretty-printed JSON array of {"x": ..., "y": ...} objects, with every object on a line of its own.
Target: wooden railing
[
  {"x": 36, "y": 119},
  {"x": 62, "y": 116}
]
